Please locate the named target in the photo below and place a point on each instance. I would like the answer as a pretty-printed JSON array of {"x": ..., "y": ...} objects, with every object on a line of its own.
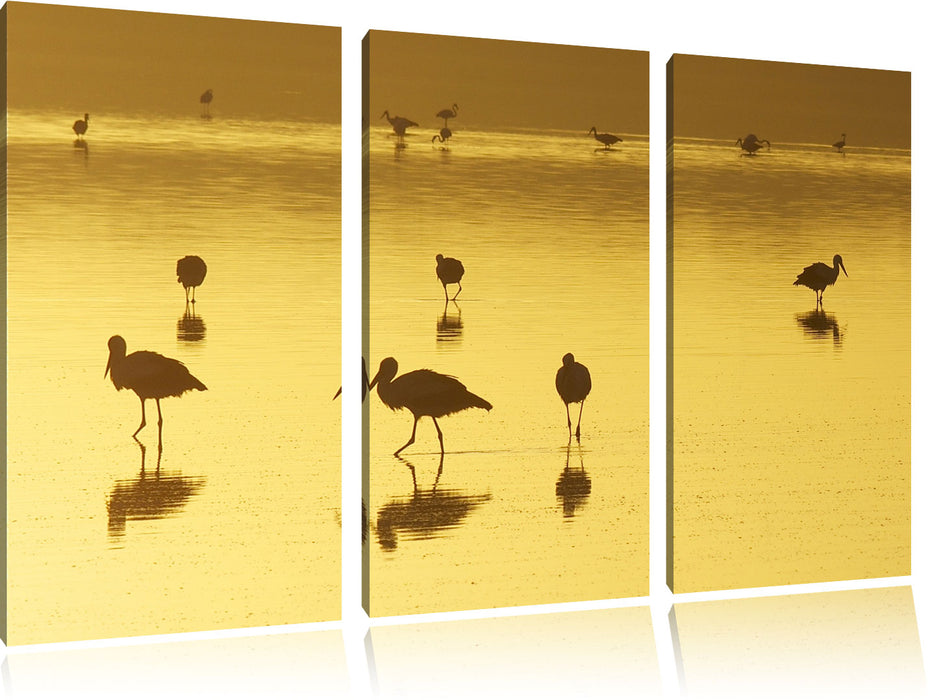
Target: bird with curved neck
[
  {"x": 423, "y": 393},
  {"x": 80, "y": 127},
  {"x": 752, "y": 144},
  {"x": 840, "y": 145},
  {"x": 818, "y": 276},
  {"x": 399, "y": 124},
  {"x": 447, "y": 114},
  {"x": 607, "y": 139}
]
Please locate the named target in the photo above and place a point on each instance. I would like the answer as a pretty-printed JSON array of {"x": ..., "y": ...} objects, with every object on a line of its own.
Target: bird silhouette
[
  {"x": 573, "y": 382},
  {"x": 399, "y": 124},
  {"x": 191, "y": 271},
  {"x": 607, "y": 139},
  {"x": 444, "y": 135},
  {"x": 206, "y": 97},
  {"x": 752, "y": 144},
  {"x": 818, "y": 276},
  {"x": 150, "y": 376},
  {"x": 449, "y": 271},
  {"x": 447, "y": 114},
  {"x": 80, "y": 127},
  {"x": 424, "y": 393},
  {"x": 840, "y": 145}
]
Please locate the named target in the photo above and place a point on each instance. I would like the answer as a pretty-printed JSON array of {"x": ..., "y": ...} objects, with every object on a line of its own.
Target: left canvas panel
[{"x": 173, "y": 229}]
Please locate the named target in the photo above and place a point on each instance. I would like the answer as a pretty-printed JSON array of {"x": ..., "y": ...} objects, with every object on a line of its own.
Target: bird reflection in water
[
  {"x": 573, "y": 486},
  {"x": 148, "y": 497},
  {"x": 427, "y": 514},
  {"x": 820, "y": 325},
  {"x": 190, "y": 327},
  {"x": 449, "y": 326}
]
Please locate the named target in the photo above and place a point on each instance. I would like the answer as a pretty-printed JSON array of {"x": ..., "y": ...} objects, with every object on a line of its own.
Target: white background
[{"x": 895, "y": 35}]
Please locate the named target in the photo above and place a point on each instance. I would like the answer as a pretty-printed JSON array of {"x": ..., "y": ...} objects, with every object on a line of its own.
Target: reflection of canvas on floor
[
  {"x": 485, "y": 178},
  {"x": 789, "y": 373}
]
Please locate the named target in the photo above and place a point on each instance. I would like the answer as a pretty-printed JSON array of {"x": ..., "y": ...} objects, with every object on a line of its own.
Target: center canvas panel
[{"x": 505, "y": 323}]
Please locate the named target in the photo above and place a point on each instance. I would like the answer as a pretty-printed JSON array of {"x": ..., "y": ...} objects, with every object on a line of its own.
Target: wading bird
[
  {"x": 818, "y": 276},
  {"x": 752, "y": 144},
  {"x": 424, "y": 393},
  {"x": 449, "y": 271},
  {"x": 191, "y": 271},
  {"x": 447, "y": 114},
  {"x": 399, "y": 124},
  {"x": 206, "y": 97},
  {"x": 80, "y": 127},
  {"x": 840, "y": 145},
  {"x": 444, "y": 135},
  {"x": 573, "y": 382},
  {"x": 149, "y": 375},
  {"x": 607, "y": 139}
]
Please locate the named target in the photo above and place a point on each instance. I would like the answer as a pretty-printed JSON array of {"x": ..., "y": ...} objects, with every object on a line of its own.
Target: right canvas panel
[{"x": 788, "y": 398}]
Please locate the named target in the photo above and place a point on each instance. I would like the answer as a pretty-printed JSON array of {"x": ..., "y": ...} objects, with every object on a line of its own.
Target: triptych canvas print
[{"x": 172, "y": 250}]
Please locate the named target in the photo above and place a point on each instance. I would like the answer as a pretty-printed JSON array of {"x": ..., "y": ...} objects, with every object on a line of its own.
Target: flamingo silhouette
[
  {"x": 447, "y": 114},
  {"x": 80, "y": 127},
  {"x": 206, "y": 97},
  {"x": 399, "y": 124},
  {"x": 607, "y": 139},
  {"x": 191, "y": 271},
  {"x": 818, "y": 276},
  {"x": 573, "y": 382},
  {"x": 444, "y": 135},
  {"x": 150, "y": 376},
  {"x": 424, "y": 393},
  {"x": 752, "y": 144},
  {"x": 840, "y": 145},
  {"x": 449, "y": 271}
]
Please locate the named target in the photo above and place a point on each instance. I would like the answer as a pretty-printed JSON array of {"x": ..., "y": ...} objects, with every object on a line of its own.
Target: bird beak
[
  {"x": 844, "y": 270},
  {"x": 107, "y": 369},
  {"x": 337, "y": 394},
  {"x": 371, "y": 385}
]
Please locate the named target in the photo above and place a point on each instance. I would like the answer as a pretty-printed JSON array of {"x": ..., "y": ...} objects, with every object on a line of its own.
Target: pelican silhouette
[
  {"x": 150, "y": 376},
  {"x": 399, "y": 124},
  {"x": 752, "y": 144},
  {"x": 447, "y": 114},
  {"x": 444, "y": 135},
  {"x": 840, "y": 145},
  {"x": 818, "y": 276},
  {"x": 191, "y": 271},
  {"x": 424, "y": 393},
  {"x": 607, "y": 139},
  {"x": 206, "y": 97},
  {"x": 573, "y": 382},
  {"x": 449, "y": 271},
  {"x": 80, "y": 127}
]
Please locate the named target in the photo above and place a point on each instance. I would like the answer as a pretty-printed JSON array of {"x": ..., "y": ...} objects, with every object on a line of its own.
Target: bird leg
[
  {"x": 439, "y": 431},
  {"x": 457, "y": 293},
  {"x": 578, "y": 428},
  {"x": 159, "y": 422},
  {"x": 412, "y": 438},
  {"x": 569, "y": 421},
  {"x": 143, "y": 419},
  {"x": 445, "y": 289}
]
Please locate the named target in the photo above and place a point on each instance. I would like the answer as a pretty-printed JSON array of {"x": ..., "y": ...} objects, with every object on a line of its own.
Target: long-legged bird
[
  {"x": 752, "y": 144},
  {"x": 206, "y": 97},
  {"x": 424, "y": 393},
  {"x": 573, "y": 382},
  {"x": 447, "y": 114},
  {"x": 80, "y": 127},
  {"x": 840, "y": 145},
  {"x": 607, "y": 139},
  {"x": 818, "y": 276},
  {"x": 150, "y": 376},
  {"x": 449, "y": 271},
  {"x": 191, "y": 271},
  {"x": 444, "y": 135},
  {"x": 399, "y": 124}
]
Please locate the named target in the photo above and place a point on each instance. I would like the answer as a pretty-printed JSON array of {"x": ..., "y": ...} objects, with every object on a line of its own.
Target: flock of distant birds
[{"x": 750, "y": 145}]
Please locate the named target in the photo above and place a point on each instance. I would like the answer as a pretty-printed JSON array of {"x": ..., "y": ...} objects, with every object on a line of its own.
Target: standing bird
[
  {"x": 607, "y": 139},
  {"x": 206, "y": 97},
  {"x": 752, "y": 144},
  {"x": 449, "y": 271},
  {"x": 840, "y": 145},
  {"x": 191, "y": 271},
  {"x": 424, "y": 393},
  {"x": 818, "y": 276},
  {"x": 444, "y": 135},
  {"x": 573, "y": 382},
  {"x": 399, "y": 124},
  {"x": 447, "y": 114},
  {"x": 80, "y": 127},
  {"x": 149, "y": 375}
]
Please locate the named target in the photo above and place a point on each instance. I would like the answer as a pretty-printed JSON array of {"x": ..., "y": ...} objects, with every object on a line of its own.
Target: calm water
[
  {"x": 791, "y": 422},
  {"x": 236, "y": 522},
  {"x": 553, "y": 237}
]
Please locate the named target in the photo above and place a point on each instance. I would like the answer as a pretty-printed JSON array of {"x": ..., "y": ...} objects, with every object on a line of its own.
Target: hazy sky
[
  {"x": 727, "y": 98},
  {"x": 507, "y": 83},
  {"x": 91, "y": 60}
]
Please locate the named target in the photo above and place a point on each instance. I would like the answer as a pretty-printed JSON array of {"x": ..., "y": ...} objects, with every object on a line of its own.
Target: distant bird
[
  {"x": 149, "y": 375},
  {"x": 840, "y": 145},
  {"x": 191, "y": 271},
  {"x": 447, "y": 114},
  {"x": 206, "y": 97},
  {"x": 573, "y": 382},
  {"x": 818, "y": 276},
  {"x": 607, "y": 139},
  {"x": 444, "y": 135},
  {"x": 449, "y": 271},
  {"x": 424, "y": 393},
  {"x": 752, "y": 144},
  {"x": 80, "y": 127},
  {"x": 399, "y": 124}
]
